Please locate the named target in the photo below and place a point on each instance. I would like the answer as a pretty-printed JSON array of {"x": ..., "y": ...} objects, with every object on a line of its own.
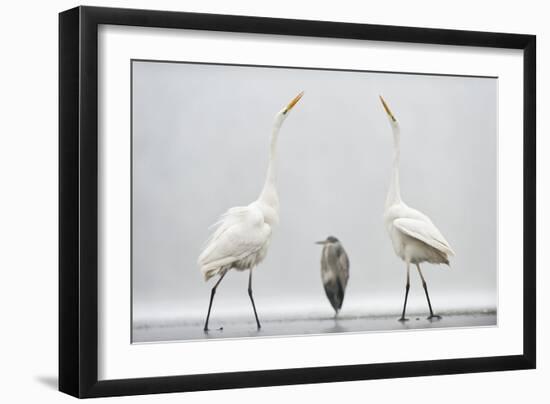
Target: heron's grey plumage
[{"x": 334, "y": 271}]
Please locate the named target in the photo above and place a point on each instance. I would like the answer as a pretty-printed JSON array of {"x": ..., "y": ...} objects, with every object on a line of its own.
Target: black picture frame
[{"x": 78, "y": 201}]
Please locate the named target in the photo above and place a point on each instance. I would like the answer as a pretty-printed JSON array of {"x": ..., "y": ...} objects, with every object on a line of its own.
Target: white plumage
[
  {"x": 240, "y": 241},
  {"x": 414, "y": 237},
  {"x": 243, "y": 233}
]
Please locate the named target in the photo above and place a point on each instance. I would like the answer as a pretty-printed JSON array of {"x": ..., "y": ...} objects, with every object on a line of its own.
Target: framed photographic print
[{"x": 250, "y": 201}]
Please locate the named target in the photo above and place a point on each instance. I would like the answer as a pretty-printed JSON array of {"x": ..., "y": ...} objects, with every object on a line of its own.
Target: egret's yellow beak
[
  {"x": 388, "y": 110},
  {"x": 293, "y": 102}
]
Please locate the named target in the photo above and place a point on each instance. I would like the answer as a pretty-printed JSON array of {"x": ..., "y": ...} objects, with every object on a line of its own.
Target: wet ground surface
[{"x": 244, "y": 328}]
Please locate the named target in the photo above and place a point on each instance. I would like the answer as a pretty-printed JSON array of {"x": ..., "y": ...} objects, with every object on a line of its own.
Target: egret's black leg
[
  {"x": 407, "y": 286},
  {"x": 425, "y": 286},
  {"x": 212, "y": 293},
  {"x": 252, "y": 299}
]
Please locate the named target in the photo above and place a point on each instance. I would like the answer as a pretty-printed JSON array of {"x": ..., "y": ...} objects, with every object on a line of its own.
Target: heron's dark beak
[
  {"x": 293, "y": 102},
  {"x": 321, "y": 242},
  {"x": 388, "y": 110}
]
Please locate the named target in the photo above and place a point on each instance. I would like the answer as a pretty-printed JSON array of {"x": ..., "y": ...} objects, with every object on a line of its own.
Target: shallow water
[{"x": 245, "y": 328}]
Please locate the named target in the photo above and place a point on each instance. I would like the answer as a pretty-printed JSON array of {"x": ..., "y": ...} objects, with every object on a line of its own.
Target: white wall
[{"x": 28, "y": 202}]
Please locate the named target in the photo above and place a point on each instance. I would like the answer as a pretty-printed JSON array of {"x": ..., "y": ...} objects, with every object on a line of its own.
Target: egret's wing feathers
[
  {"x": 232, "y": 216},
  {"x": 240, "y": 232},
  {"x": 424, "y": 231}
]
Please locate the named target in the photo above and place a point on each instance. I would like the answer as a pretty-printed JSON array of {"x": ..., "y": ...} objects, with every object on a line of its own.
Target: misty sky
[{"x": 200, "y": 146}]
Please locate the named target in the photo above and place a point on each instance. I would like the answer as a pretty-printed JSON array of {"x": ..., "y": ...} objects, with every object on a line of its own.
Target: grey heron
[{"x": 334, "y": 271}]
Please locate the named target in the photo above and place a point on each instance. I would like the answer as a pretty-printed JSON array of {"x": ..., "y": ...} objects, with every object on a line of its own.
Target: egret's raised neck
[
  {"x": 269, "y": 191},
  {"x": 394, "y": 193},
  {"x": 396, "y": 131}
]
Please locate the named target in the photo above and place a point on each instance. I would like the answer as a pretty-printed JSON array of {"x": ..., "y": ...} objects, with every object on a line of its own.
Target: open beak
[
  {"x": 388, "y": 110},
  {"x": 293, "y": 102}
]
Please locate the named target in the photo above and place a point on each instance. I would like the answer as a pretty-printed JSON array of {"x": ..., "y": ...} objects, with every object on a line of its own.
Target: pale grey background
[{"x": 200, "y": 146}]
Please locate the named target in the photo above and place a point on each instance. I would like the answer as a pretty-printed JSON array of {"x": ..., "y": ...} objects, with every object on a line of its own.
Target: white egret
[
  {"x": 243, "y": 233},
  {"x": 334, "y": 271},
  {"x": 414, "y": 237}
]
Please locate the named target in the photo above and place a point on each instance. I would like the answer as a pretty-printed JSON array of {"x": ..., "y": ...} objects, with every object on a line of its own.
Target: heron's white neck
[
  {"x": 394, "y": 193},
  {"x": 269, "y": 194}
]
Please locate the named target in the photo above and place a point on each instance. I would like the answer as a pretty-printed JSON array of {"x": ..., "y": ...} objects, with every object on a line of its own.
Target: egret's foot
[
  {"x": 259, "y": 326},
  {"x": 206, "y": 329},
  {"x": 403, "y": 319},
  {"x": 434, "y": 317}
]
